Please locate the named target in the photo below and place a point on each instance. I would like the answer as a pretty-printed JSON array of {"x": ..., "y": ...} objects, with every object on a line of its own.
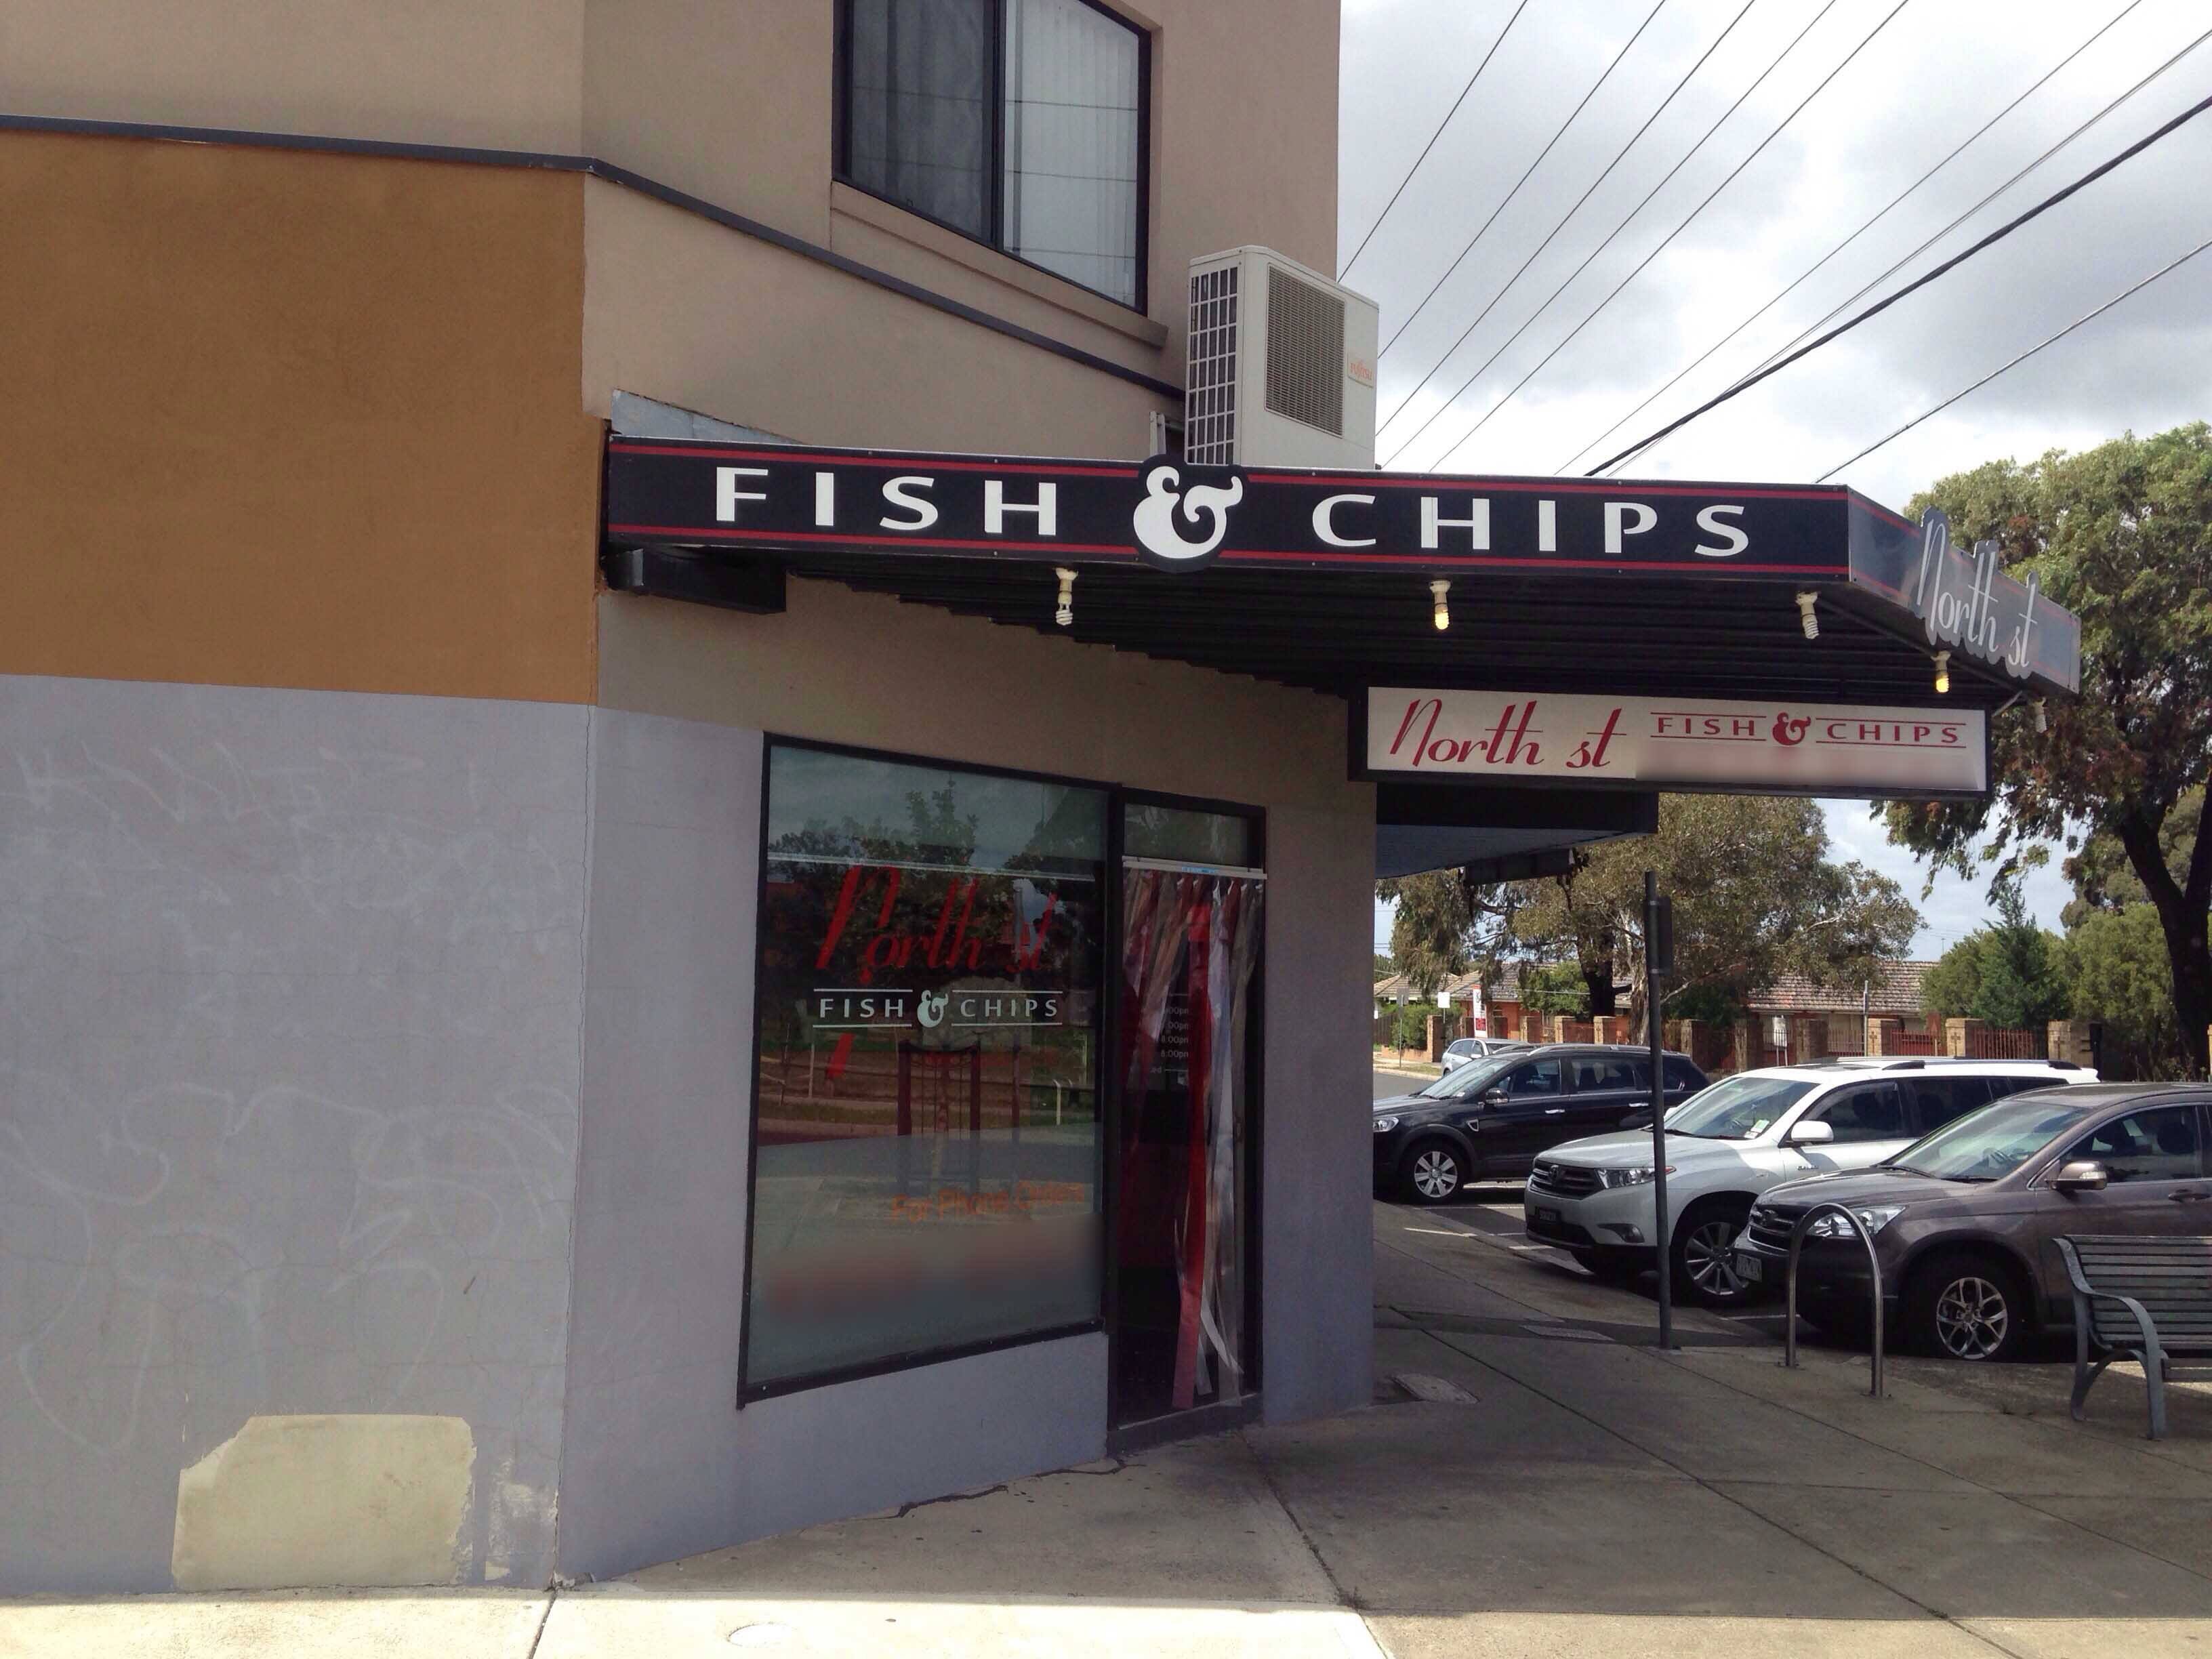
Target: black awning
[{"x": 1324, "y": 580}]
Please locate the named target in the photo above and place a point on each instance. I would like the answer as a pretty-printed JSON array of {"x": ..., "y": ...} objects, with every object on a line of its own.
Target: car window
[
  {"x": 1939, "y": 1099},
  {"x": 1465, "y": 1046},
  {"x": 2002, "y": 1086},
  {"x": 1681, "y": 1075},
  {"x": 1534, "y": 1078},
  {"x": 1595, "y": 1072},
  {"x": 1870, "y": 1112},
  {"x": 1739, "y": 1108},
  {"x": 2155, "y": 1145}
]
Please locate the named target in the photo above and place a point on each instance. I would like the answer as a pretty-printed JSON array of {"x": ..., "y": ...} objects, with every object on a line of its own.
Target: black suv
[{"x": 1491, "y": 1117}]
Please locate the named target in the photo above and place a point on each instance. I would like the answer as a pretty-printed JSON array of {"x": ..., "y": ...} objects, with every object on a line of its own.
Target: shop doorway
[{"x": 1183, "y": 1224}]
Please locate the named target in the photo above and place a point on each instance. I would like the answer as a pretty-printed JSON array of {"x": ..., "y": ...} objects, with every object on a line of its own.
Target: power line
[
  {"x": 1507, "y": 201},
  {"x": 1849, "y": 58},
  {"x": 1433, "y": 136},
  {"x": 1815, "y": 266},
  {"x": 2078, "y": 322},
  {"x": 1620, "y": 156},
  {"x": 1923, "y": 247},
  {"x": 1917, "y": 282}
]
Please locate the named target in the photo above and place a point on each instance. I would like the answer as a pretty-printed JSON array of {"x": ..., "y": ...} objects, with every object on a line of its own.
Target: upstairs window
[{"x": 1020, "y": 123}]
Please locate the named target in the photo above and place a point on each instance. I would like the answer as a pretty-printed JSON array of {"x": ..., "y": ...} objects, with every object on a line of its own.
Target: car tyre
[
  {"x": 1967, "y": 1304},
  {"x": 1433, "y": 1173},
  {"x": 1704, "y": 1257}
]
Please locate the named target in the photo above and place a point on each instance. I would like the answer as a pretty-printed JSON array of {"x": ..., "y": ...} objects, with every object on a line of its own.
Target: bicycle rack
[{"x": 1874, "y": 1274}]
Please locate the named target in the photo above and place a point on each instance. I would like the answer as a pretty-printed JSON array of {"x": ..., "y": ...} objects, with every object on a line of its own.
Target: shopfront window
[
  {"x": 926, "y": 1176},
  {"x": 1016, "y": 122}
]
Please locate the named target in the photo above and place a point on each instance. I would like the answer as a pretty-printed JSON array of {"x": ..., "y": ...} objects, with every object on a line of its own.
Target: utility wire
[
  {"x": 1815, "y": 266},
  {"x": 1620, "y": 156},
  {"x": 1433, "y": 136},
  {"x": 1398, "y": 333},
  {"x": 2015, "y": 362},
  {"x": 1917, "y": 282},
  {"x": 1866, "y": 287},
  {"x": 1825, "y": 82},
  {"x": 1688, "y": 155}
]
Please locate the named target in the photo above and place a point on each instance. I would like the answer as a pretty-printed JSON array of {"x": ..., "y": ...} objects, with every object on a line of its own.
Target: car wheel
[
  {"x": 1605, "y": 1265},
  {"x": 1433, "y": 1173},
  {"x": 1704, "y": 1254},
  {"x": 1967, "y": 1306}
]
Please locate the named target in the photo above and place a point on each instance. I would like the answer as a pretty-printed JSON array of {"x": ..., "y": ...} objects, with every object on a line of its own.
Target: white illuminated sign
[{"x": 1699, "y": 743}]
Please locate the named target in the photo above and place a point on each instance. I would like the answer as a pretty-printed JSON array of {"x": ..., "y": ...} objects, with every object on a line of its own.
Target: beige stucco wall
[{"x": 501, "y": 74}]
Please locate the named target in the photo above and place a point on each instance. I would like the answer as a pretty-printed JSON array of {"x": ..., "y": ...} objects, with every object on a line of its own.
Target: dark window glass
[
  {"x": 930, "y": 958},
  {"x": 920, "y": 104},
  {"x": 1183, "y": 837},
  {"x": 1599, "y": 1073},
  {"x": 1538, "y": 1077},
  {"x": 1940, "y": 1099},
  {"x": 1017, "y": 122},
  {"x": 1679, "y": 1075},
  {"x": 1875, "y": 1112},
  {"x": 2160, "y": 1145}
]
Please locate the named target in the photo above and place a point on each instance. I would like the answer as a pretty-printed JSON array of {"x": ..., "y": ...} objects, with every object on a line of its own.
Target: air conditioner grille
[
  {"x": 1210, "y": 401},
  {"x": 1305, "y": 353}
]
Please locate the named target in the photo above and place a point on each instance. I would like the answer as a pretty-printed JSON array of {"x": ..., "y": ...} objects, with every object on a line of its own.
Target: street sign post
[{"x": 1658, "y": 961}]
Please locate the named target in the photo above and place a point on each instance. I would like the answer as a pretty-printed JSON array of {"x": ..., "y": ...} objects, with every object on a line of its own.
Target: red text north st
[
  {"x": 945, "y": 944},
  {"x": 1510, "y": 742}
]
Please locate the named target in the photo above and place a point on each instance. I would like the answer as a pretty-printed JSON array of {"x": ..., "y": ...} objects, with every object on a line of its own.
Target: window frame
[
  {"x": 1111, "y": 1087},
  {"x": 1814, "y": 1113},
  {"x": 841, "y": 147}
]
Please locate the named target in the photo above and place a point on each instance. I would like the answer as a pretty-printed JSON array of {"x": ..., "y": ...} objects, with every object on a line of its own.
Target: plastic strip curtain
[{"x": 1213, "y": 924}]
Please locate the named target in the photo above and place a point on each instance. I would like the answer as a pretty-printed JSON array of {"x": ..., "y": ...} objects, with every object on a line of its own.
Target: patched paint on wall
[
  {"x": 367, "y": 1500},
  {"x": 288, "y": 1092}
]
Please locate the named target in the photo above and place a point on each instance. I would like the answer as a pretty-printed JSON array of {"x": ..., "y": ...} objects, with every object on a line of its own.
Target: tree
[
  {"x": 1443, "y": 925},
  {"x": 2102, "y": 878},
  {"x": 1553, "y": 988},
  {"x": 2119, "y": 976},
  {"x": 2122, "y": 536},
  {"x": 1755, "y": 895},
  {"x": 2011, "y": 974},
  {"x": 1382, "y": 968}
]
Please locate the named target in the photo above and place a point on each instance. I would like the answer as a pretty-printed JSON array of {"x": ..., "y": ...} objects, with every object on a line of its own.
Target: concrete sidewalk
[{"x": 1530, "y": 1481}]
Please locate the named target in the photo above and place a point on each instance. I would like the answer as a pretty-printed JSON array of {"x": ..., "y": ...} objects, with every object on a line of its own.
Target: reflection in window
[{"x": 928, "y": 1138}]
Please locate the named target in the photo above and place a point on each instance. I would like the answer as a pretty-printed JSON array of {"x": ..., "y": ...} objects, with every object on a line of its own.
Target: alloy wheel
[
  {"x": 1971, "y": 1317},
  {"x": 1709, "y": 1258},
  {"x": 1436, "y": 1174}
]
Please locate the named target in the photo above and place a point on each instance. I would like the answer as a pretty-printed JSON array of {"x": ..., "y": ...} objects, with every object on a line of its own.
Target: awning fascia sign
[
  {"x": 1176, "y": 517},
  {"x": 1411, "y": 733},
  {"x": 912, "y": 506},
  {"x": 1962, "y": 602}
]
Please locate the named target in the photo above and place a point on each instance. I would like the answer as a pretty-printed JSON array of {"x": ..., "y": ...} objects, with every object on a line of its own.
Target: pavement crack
[
  {"x": 544, "y": 1614},
  {"x": 905, "y": 1509}
]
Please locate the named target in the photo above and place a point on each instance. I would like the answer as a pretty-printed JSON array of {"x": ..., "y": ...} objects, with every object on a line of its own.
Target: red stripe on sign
[{"x": 817, "y": 458}]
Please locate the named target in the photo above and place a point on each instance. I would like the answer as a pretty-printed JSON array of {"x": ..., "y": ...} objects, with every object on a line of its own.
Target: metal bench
[{"x": 2148, "y": 1299}]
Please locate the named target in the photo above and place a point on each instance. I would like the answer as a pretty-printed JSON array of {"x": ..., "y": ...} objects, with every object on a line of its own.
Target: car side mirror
[
  {"x": 1493, "y": 1097},
  {"x": 1811, "y": 1134},
  {"x": 2081, "y": 1176}
]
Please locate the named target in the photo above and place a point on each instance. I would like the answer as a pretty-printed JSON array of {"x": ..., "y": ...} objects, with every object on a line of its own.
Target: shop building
[{"x": 608, "y": 954}]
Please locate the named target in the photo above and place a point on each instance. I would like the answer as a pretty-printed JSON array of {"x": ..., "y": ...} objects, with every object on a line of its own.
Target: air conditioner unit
[{"x": 1281, "y": 366}]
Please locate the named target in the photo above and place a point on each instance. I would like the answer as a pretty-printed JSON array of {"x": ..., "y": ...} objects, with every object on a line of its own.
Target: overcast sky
[{"x": 1930, "y": 78}]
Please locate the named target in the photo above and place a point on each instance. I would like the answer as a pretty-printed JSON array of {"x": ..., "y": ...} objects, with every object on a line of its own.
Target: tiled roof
[{"x": 1895, "y": 990}]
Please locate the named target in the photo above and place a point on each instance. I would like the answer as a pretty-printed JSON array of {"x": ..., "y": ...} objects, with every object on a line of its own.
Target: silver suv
[{"x": 1728, "y": 1143}]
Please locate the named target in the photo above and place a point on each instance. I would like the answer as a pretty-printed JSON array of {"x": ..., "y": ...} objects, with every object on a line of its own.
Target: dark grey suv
[
  {"x": 1491, "y": 1116},
  {"x": 1963, "y": 1220}
]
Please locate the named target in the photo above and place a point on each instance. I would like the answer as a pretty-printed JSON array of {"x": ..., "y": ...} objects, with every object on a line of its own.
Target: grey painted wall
[
  {"x": 658, "y": 1462},
  {"x": 290, "y": 989}
]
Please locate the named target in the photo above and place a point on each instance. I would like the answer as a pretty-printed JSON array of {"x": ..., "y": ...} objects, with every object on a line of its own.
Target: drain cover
[{"x": 1434, "y": 1389}]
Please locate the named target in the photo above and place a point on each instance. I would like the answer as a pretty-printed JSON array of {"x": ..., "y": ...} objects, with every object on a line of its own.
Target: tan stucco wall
[
  {"x": 846, "y": 667},
  {"x": 269, "y": 418},
  {"x": 501, "y": 74},
  {"x": 681, "y": 309}
]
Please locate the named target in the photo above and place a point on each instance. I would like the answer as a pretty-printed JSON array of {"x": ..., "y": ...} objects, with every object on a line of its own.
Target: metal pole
[
  {"x": 1873, "y": 1281},
  {"x": 1660, "y": 1237}
]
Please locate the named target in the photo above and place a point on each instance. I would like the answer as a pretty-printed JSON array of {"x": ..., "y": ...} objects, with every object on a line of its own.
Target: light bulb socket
[
  {"x": 1439, "y": 591},
  {"x": 1806, "y": 601},
  {"x": 1065, "y": 615}
]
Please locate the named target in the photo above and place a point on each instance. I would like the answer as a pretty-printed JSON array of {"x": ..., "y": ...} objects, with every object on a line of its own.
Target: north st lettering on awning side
[{"x": 1447, "y": 735}]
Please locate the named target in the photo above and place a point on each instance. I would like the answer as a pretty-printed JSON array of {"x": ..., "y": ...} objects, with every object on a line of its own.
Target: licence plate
[
  {"x": 1749, "y": 1268},
  {"x": 1551, "y": 1217}
]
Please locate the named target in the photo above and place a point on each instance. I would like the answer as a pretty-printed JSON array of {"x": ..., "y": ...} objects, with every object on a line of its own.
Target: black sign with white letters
[{"x": 1177, "y": 517}]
